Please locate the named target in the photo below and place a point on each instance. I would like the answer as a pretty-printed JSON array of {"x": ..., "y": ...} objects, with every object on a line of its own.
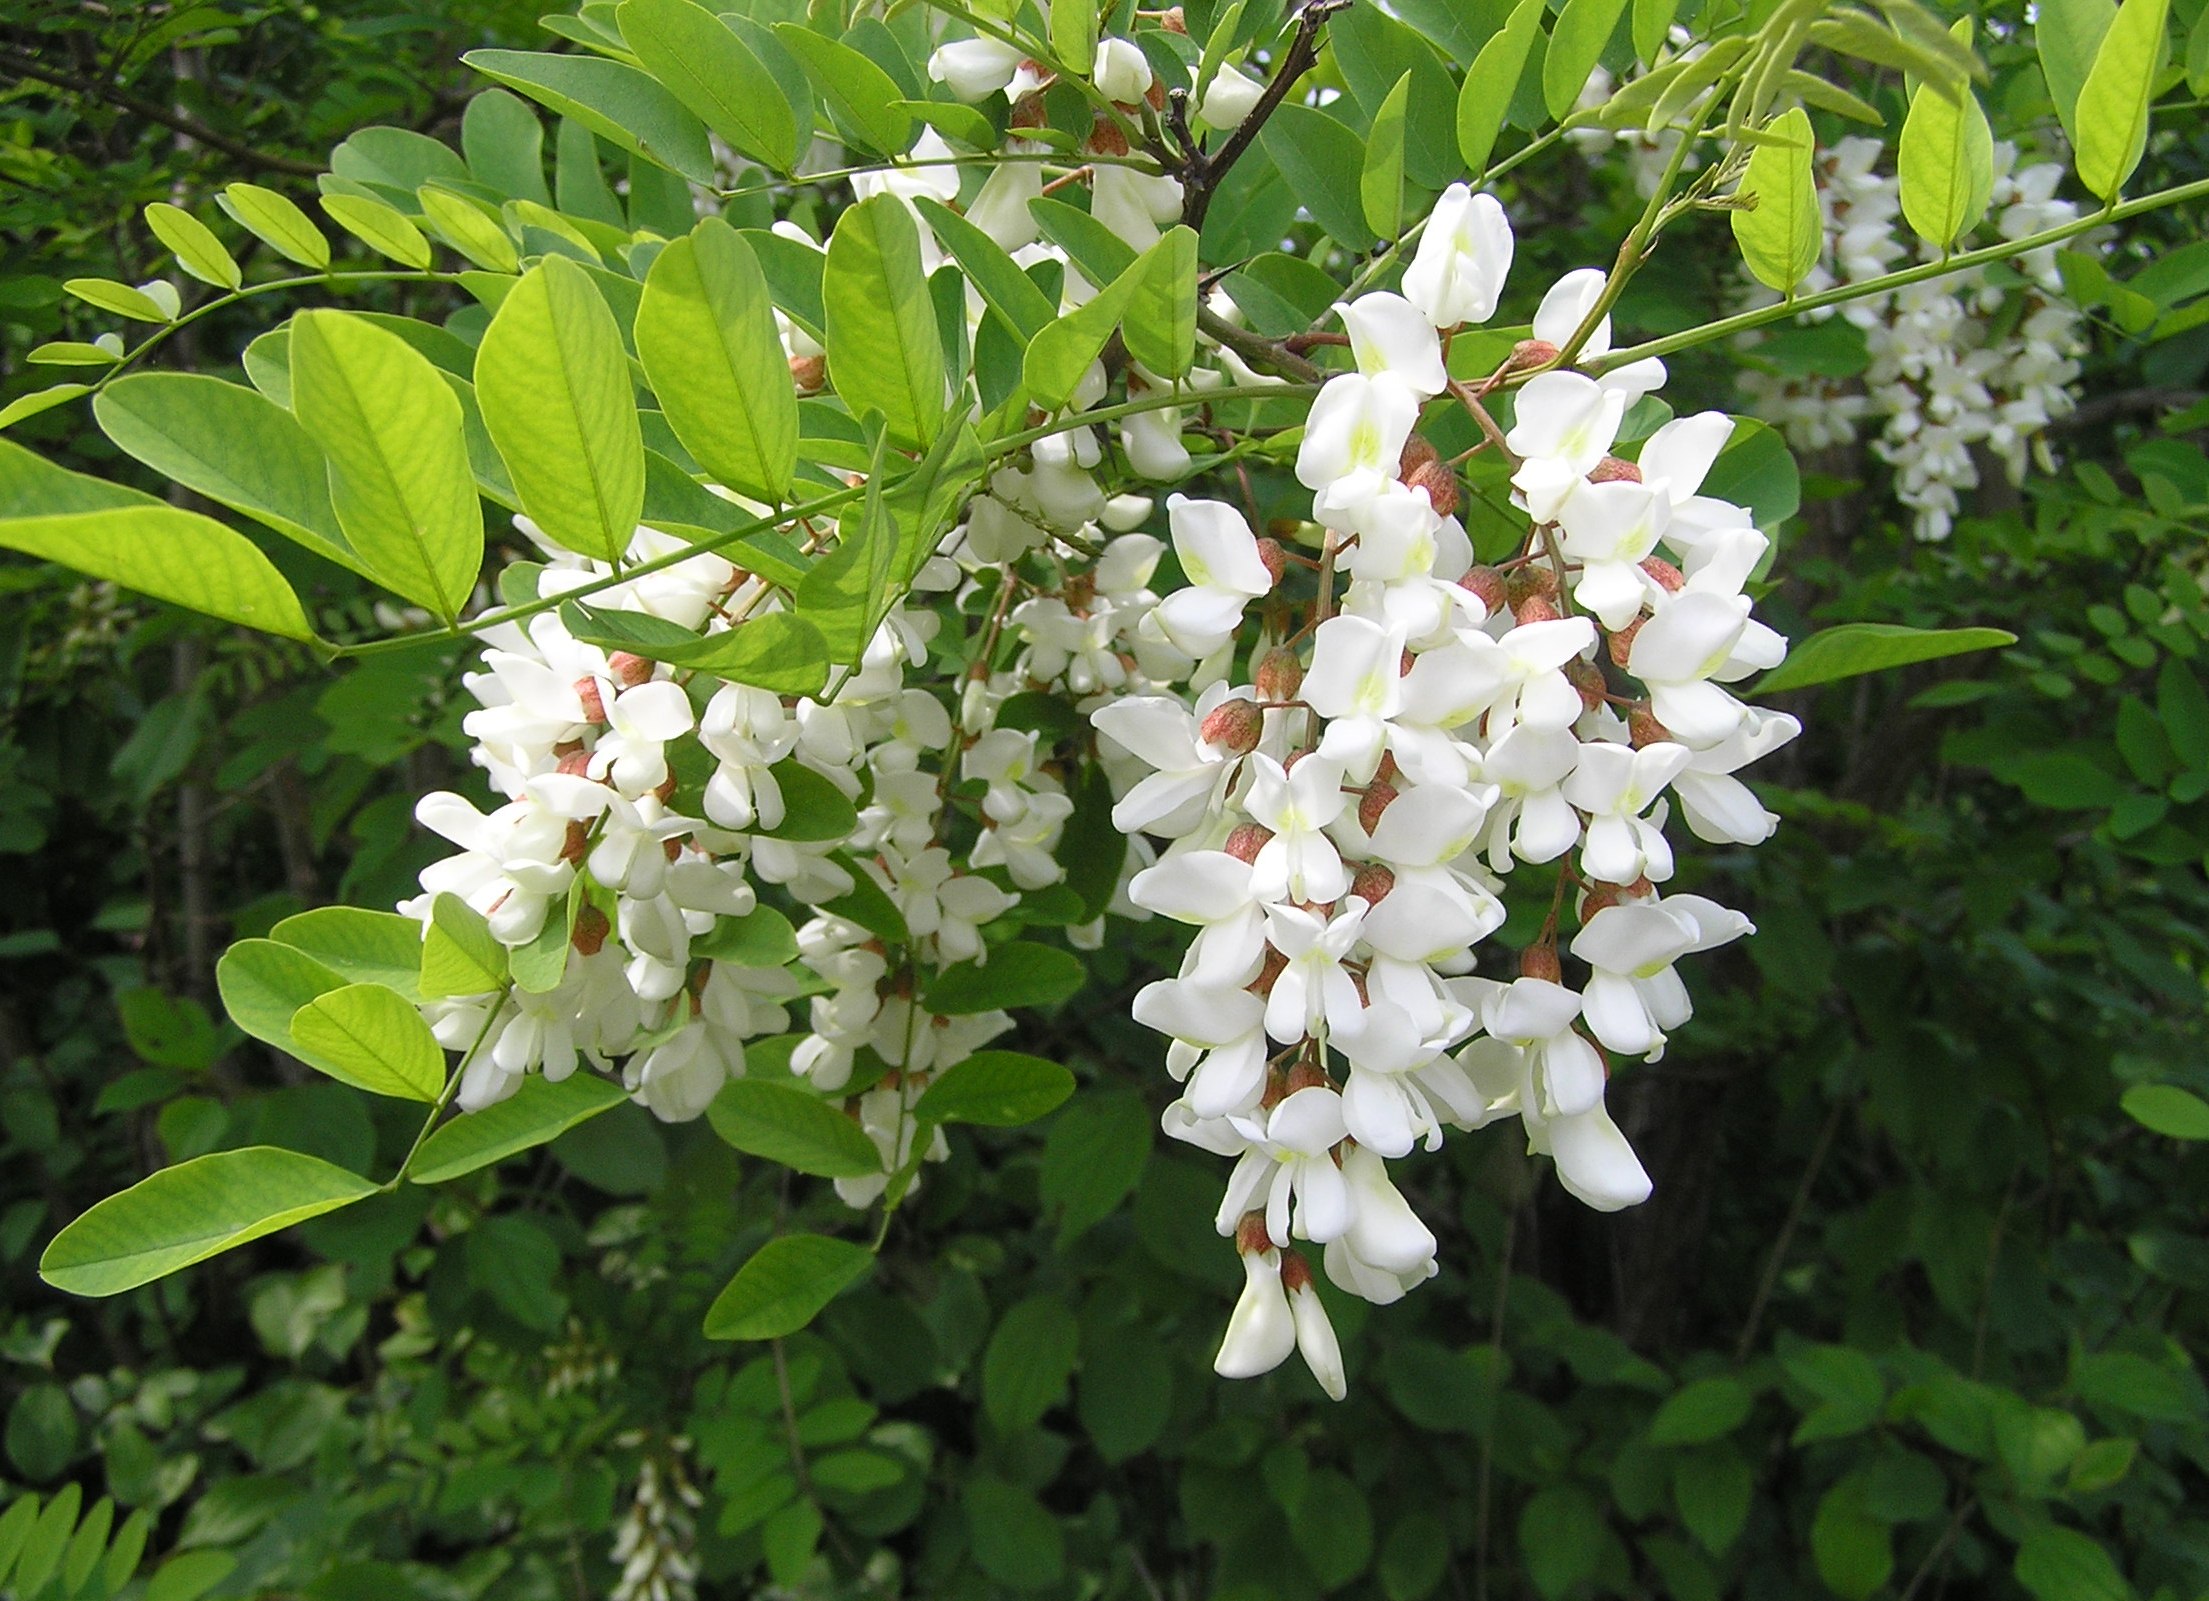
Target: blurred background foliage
[{"x": 1911, "y": 1314}]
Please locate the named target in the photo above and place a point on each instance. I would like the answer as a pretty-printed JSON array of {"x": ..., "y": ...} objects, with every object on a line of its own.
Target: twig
[
  {"x": 1202, "y": 173},
  {"x": 182, "y": 122},
  {"x": 1778, "y": 1253}
]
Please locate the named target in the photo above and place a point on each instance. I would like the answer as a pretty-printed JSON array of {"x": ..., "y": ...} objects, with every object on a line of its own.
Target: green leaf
[
  {"x": 233, "y": 445},
  {"x": 1946, "y": 161},
  {"x": 1093, "y": 1157},
  {"x": 1028, "y": 1362},
  {"x": 1000, "y": 1089},
  {"x": 188, "y": 1213},
  {"x": 1323, "y": 160},
  {"x": 1074, "y": 36},
  {"x": 170, "y": 554},
  {"x": 398, "y": 456},
  {"x": 1652, "y": 22},
  {"x": 459, "y": 954},
  {"x": 264, "y": 984},
  {"x": 2183, "y": 706},
  {"x": 777, "y": 650},
  {"x": 620, "y": 104},
  {"x": 361, "y": 946},
  {"x": 1780, "y": 236},
  {"x": 1562, "y": 1534},
  {"x": 121, "y": 1562},
  {"x": 784, "y": 1286},
  {"x": 379, "y": 227},
  {"x": 2168, "y": 1110},
  {"x": 2113, "y": 105},
  {"x": 373, "y": 1039},
  {"x": 2066, "y": 34},
  {"x": 794, "y": 1127},
  {"x": 41, "y": 400},
  {"x": 189, "y": 1575},
  {"x": 1161, "y": 329},
  {"x": 1009, "y": 292},
  {"x": 87, "y": 1546},
  {"x": 277, "y": 223},
  {"x": 1713, "y": 1491},
  {"x": 1017, "y": 1541},
  {"x": 706, "y": 335},
  {"x": 710, "y": 70},
  {"x": 1703, "y": 1409},
  {"x": 861, "y": 94},
  {"x": 1854, "y": 648},
  {"x": 1853, "y": 1551},
  {"x": 2037, "y": 1444},
  {"x": 15, "y": 1528},
  {"x": 1017, "y": 974},
  {"x": 884, "y": 352},
  {"x": 48, "y": 1540},
  {"x": 1576, "y": 43},
  {"x": 538, "y": 1112},
  {"x": 1849, "y": 1389},
  {"x": 120, "y": 299},
  {"x": 2059, "y": 1564},
  {"x": 1061, "y": 354},
  {"x": 504, "y": 146},
  {"x": 43, "y": 1433},
  {"x": 1491, "y": 82},
  {"x": 194, "y": 244},
  {"x": 1381, "y": 180},
  {"x": 814, "y": 809},
  {"x": 553, "y": 382},
  {"x": 1095, "y": 251},
  {"x": 468, "y": 229},
  {"x": 761, "y": 938}
]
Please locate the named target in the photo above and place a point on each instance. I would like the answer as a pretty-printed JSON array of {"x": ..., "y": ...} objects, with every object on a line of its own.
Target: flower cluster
[
  {"x": 1338, "y": 827},
  {"x": 1973, "y": 362}
]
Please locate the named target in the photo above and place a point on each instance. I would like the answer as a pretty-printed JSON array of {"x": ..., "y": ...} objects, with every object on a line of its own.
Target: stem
[
  {"x": 182, "y": 122},
  {"x": 452, "y": 1085},
  {"x": 2009, "y": 249},
  {"x": 989, "y": 158},
  {"x": 1203, "y": 173}
]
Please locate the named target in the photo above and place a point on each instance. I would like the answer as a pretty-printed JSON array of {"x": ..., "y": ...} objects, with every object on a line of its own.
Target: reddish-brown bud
[
  {"x": 1296, "y": 1273},
  {"x": 1279, "y": 674},
  {"x": 1536, "y": 609},
  {"x": 1587, "y": 678},
  {"x": 1419, "y": 452},
  {"x": 1247, "y": 841},
  {"x": 1155, "y": 95},
  {"x": 594, "y": 703},
  {"x": 1528, "y": 353},
  {"x": 1274, "y": 556},
  {"x": 1106, "y": 138},
  {"x": 591, "y": 929},
  {"x": 1644, "y": 730},
  {"x": 1534, "y": 579},
  {"x": 1233, "y": 725},
  {"x": 809, "y": 374},
  {"x": 1172, "y": 21},
  {"x": 1615, "y": 470},
  {"x": 1622, "y": 641},
  {"x": 1487, "y": 586},
  {"x": 1540, "y": 961},
  {"x": 576, "y": 763},
  {"x": 1600, "y": 897},
  {"x": 1666, "y": 576},
  {"x": 1373, "y": 883},
  {"x": 1028, "y": 111},
  {"x": 1270, "y": 968},
  {"x": 1304, "y": 1076},
  {"x": 1440, "y": 485},
  {"x": 1250, "y": 1234},
  {"x": 672, "y": 849},
  {"x": 665, "y": 792},
  {"x": 629, "y": 671},
  {"x": 1376, "y": 800},
  {"x": 578, "y": 836}
]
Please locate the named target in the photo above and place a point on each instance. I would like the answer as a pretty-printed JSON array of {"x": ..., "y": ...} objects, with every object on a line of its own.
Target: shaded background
[{"x": 1910, "y": 1314}]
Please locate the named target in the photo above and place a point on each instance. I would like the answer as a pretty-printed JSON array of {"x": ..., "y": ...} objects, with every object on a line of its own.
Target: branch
[
  {"x": 191, "y": 127},
  {"x": 1203, "y": 173},
  {"x": 1256, "y": 350}
]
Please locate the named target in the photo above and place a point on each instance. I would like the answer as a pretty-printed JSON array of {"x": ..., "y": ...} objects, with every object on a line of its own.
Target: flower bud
[
  {"x": 1315, "y": 1335},
  {"x": 576, "y": 763},
  {"x": 629, "y": 671},
  {"x": 1531, "y": 353},
  {"x": 578, "y": 836},
  {"x": 1373, "y": 883},
  {"x": 1536, "y": 609},
  {"x": 1622, "y": 641},
  {"x": 1233, "y": 726},
  {"x": 591, "y": 929},
  {"x": 1540, "y": 961},
  {"x": 1534, "y": 579},
  {"x": 1422, "y": 467},
  {"x": 1247, "y": 841},
  {"x": 1262, "y": 1332},
  {"x": 1172, "y": 21},
  {"x": 1296, "y": 1273},
  {"x": 1600, "y": 897},
  {"x": 1664, "y": 575},
  {"x": 1279, "y": 674},
  {"x": 594, "y": 703},
  {"x": 1250, "y": 1234},
  {"x": 1615, "y": 470},
  {"x": 809, "y": 373},
  {"x": 1276, "y": 559},
  {"x": 1374, "y": 801},
  {"x": 1587, "y": 678},
  {"x": 1028, "y": 111},
  {"x": 1304, "y": 1076},
  {"x": 1643, "y": 729},
  {"x": 1106, "y": 138},
  {"x": 1270, "y": 968},
  {"x": 1155, "y": 96}
]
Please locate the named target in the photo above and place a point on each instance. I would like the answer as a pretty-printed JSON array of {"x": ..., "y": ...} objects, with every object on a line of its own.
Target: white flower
[
  {"x": 1691, "y": 638},
  {"x": 1533, "y": 821},
  {"x": 1289, "y": 1169},
  {"x": 677, "y": 1080},
  {"x": 1219, "y": 1046},
  {"x": 1314, "y": 987},
  {"x": 1354, "y": 440},
  {"x": 1212, "y": 890},
  {"x": 1355, "y": 682},
  {"x": 1189, "y": 772},
  {"x": 1262, "y": 1331},
  {"x": 1389, "y": 336},
  {"x": 1299, "y": 862},
  {"x": 1463, "y": 258},
  {"x": 640, "y": 721},
  {"x": 1219, "y": 555},
  {"x": 1122, "y": 72},
  {"x": 1232, "y": 95},
  {"x": 1564, "y": 425},
  {"x": 1560, "y": 315},
  {"x": 1386, "y": 1249},
  {"x": 1634, "y": 995},
  {"x": 1615, "y": 785},
  {"x": 1315, "y": 1335},
  {"x": 511, "y": 865},
  {"x": 1611, "y": 527},
  {"x": 1718, "y": 806},
  {"x": 974, "y": 69}
]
